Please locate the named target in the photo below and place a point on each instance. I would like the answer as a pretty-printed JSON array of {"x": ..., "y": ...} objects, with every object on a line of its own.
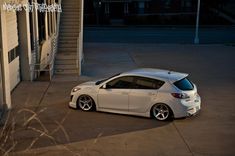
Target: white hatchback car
[{"x": 145, "y": 92}]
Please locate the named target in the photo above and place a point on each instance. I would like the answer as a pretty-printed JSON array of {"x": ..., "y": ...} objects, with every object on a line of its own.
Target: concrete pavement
[{"x": 212, "y": 132}]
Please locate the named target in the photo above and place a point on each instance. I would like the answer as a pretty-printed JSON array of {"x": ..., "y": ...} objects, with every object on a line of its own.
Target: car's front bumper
[
  {"x": 73, "y": 101},
  {"x": 72, "y": 105}
]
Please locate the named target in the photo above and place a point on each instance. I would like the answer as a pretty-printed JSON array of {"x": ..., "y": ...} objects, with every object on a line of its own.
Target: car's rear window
[{"x": 184, "y": 84}]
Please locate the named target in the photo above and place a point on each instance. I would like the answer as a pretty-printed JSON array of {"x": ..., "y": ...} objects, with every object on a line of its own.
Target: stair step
[
  {"x": 70, "y": 10},
  {"x": 66, "y": 55},
  {"x": 67, "y": 71},
  {"x": 71, "y": 2},
  {"x": 66, "y": 58},
  {"x": 70, "y": 7},
  {"x": 68, "y": 35},
  {"x": 73, "y": 46},
  {"x": 70, "y": 18},
  {"x": 64, "y": 50},
  {"x": 68, "y": 42},
  {"x": 70, "y": 31},
  {"x": 67, "y": 45},
  {"x": 70, "y": 23},
  {"x": 69, "y": 13},
  {"x": 67, "y": 50},
  {"x": 65, "y": 62},
  {"x": 65, "y": 66},
  {"x": 70, "y": 26},
  {"x": 68, "y": 38}
]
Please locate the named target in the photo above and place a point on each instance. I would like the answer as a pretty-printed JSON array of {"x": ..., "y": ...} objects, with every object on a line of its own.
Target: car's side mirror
[{"x": 104, "y": 86}]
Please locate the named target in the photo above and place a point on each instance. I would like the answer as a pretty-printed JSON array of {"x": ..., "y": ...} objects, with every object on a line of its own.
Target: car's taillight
[{"x": 180, "y": 95}]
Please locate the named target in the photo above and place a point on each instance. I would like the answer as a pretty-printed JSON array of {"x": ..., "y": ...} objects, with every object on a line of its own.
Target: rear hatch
[{"x": 187, "y": 89}]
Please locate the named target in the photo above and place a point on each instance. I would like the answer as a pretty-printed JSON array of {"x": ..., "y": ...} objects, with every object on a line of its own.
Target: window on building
[{"x": 12, "y": 55}]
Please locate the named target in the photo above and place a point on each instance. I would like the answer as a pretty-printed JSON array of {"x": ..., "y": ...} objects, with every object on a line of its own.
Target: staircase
[{"x": 66, "y": 58}]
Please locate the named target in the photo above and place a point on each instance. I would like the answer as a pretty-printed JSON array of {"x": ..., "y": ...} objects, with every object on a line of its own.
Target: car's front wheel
[
  {"x": 86, "y": 103},
  {"x": 161, "y": 112}
]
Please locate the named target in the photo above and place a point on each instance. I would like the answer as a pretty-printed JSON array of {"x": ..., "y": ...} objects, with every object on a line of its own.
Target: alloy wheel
[
  {"x": 85, "y": 102},
  {"x": 161, "y": 112}
]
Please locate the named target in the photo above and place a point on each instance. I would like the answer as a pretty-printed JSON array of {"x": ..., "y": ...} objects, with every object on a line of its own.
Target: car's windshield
[{"x": 103, "y": 80}]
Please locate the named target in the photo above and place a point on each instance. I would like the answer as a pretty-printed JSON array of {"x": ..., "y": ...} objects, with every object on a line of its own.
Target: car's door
[
  {"x": 115, "y": 94},
  {"x": 143, "y": 94}
]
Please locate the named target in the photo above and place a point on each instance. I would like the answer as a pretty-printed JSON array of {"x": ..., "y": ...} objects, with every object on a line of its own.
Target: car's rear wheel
[
  {"x": 86, "y": 103},
  {"x": 161, "y": 112}
]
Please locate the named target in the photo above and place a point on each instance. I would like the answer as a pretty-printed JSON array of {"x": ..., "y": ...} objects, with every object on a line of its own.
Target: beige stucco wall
[
  {"x": 9, "y": 34},
  {"x": 12, "y": 32},
  {"x": 14, "y": 73},
  {"x": 4, "y": 54}
]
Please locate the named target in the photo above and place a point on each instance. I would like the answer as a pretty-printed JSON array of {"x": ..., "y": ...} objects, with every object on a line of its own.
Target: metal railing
[{"x": 47, "y": 64}]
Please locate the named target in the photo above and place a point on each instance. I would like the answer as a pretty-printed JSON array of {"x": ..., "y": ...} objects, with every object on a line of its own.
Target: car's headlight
[{"x": 75, "y": 89}]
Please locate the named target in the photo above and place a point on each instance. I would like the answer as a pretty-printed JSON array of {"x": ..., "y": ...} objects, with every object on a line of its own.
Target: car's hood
[{"x": 86, "y": 84}]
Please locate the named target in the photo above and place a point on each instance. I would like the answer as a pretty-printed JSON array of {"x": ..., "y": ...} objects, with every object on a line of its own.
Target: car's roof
[{"x": 160, "y": 74}]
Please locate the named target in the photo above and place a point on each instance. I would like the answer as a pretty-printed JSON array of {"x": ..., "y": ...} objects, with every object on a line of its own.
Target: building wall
[
  {"x": 4, "y": 61},
  {"x": 20, "y": 31},
  {"x": 14, "y": 72},
  {"x": 12, "y": 43},
  {"x": 12, "y": 32},
  {"x": 20, "y": 47}
]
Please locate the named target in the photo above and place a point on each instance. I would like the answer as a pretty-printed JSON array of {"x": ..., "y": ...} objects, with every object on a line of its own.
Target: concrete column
[
  {"x": 24, "y": 44},
  {"x": 81, "y": 37},
  {"x": 1, "y": 75},
  {"x": 4, "y": 63}
]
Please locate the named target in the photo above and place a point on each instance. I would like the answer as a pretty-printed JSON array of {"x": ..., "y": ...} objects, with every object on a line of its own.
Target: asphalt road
[
  {"x": 182, "y": 35},
  {"x": 211, "y": 132}
]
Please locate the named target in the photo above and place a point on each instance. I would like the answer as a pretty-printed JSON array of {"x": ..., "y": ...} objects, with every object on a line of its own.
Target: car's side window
[
  {"x": 147, "y": 83},
  {"x": 125, "y": 82}
]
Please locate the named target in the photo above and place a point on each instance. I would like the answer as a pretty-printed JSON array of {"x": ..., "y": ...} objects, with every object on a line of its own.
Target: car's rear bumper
[{"x": 186, "y": 109}]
